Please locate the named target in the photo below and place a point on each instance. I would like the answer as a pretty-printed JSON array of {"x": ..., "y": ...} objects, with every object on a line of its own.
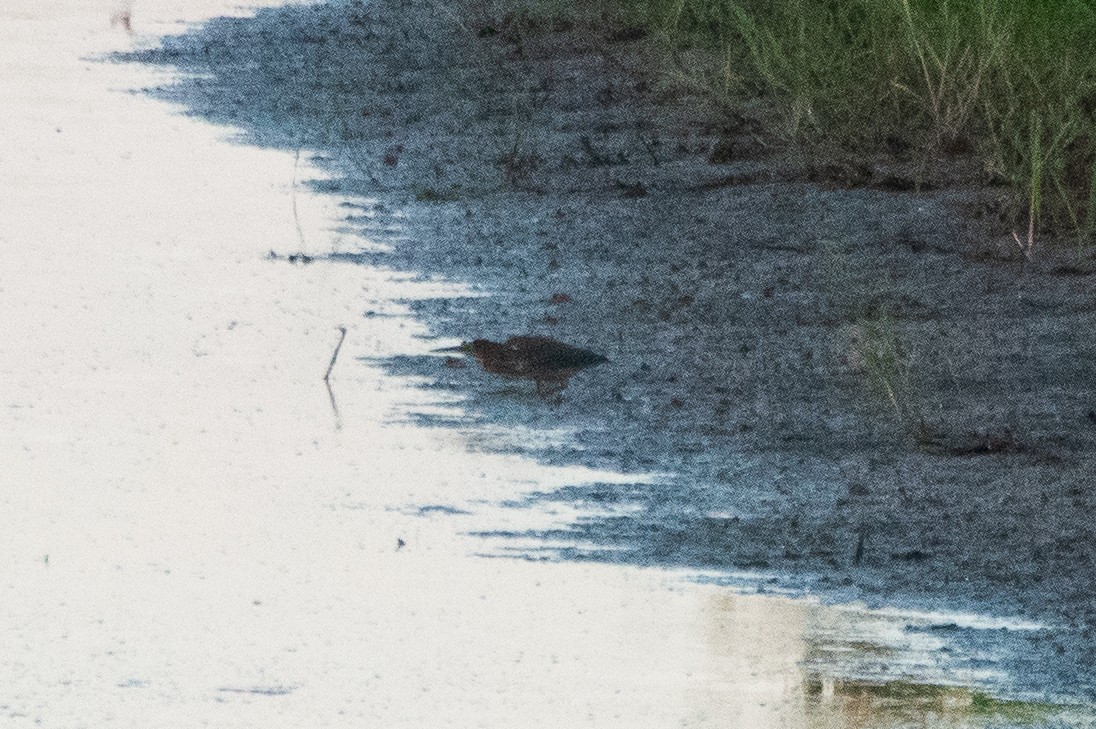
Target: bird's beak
[{"x": 459, "y": 348}]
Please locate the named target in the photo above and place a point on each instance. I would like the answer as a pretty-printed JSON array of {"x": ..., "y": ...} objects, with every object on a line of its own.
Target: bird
[{"x": 546, "y": 361}]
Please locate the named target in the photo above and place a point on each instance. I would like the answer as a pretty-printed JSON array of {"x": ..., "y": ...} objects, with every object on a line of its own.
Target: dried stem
[{"x": 335, "y": 355}]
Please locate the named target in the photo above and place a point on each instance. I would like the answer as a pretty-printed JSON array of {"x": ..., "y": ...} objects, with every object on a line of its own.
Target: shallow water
[{"x": 195, "y": 535}]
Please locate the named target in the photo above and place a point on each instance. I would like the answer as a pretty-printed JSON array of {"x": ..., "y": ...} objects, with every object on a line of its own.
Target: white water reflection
[{"x": 189, "y": 539}]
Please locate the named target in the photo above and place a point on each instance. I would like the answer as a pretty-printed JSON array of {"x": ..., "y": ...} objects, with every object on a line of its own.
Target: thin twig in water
[
  {"x": 296, "y": 217},
  {"x": 335, "y": 355},
  {"x": 327, "y": 379},
  {"x": 334, "y": 405}
]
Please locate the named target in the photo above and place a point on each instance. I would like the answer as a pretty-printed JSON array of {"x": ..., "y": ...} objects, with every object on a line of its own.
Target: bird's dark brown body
[{"x": 549, "y": 363}]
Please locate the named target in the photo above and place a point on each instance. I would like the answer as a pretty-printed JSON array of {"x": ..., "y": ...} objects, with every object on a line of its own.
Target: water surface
[{"x": 194, "y": 535}]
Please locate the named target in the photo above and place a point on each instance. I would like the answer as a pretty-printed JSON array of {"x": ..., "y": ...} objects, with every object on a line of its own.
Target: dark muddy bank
[{"x": 542, "y": 163}]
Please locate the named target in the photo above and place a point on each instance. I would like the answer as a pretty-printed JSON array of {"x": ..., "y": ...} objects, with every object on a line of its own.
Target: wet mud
[{"x": 843, "y": 388}]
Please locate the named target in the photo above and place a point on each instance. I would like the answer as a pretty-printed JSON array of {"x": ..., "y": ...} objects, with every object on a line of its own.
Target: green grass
[
  {"x": 1012, "y": 82},
  {"x": 887, "y": 366}
]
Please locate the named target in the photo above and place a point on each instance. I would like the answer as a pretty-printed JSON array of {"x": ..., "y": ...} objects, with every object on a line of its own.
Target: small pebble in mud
[
  {"x": 392, "y": 155},
  {"x": 858, "y": 489},
  {"x": 914, "y": 555},
  {"x": 559, "y": 298}
]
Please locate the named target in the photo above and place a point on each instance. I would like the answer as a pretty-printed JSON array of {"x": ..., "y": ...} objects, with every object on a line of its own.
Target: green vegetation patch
[
  {"x": 1011, "y": 82},
  {"x": 890, "y": 702},
  {"x": 436, "y": 195}
]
